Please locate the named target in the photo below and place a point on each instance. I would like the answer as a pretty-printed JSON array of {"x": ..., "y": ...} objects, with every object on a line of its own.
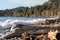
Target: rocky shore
[{"x": 34, "y": 32}]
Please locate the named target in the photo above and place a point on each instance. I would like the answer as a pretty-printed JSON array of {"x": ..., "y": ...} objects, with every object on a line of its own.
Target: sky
[{"x": 9, "y": 4}]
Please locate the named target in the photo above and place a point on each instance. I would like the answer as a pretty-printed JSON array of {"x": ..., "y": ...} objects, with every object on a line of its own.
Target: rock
[
  {"x": 52, "y": 34},
  {"x": 17, "y": 30},
  {"x": 58, "y": 36},
  {"x": 14, "y": 32}
]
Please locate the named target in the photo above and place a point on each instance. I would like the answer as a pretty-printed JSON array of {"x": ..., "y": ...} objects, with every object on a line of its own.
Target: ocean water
[
  {"x": 7, "y": 22},
  {"x": 13, "y": 18}
]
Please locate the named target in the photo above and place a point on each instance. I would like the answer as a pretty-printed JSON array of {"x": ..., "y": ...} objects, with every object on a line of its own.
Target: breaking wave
[{"x": 7, "y": 24}]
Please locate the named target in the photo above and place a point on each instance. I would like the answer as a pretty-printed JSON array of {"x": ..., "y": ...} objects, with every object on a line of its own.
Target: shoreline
[
  {"x": 35, "y": 29},
  {"x": 39, "y": 31}
]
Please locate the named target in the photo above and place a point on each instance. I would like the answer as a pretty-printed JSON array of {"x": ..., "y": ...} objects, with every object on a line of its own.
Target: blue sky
[{"x": 9, "y": 4}]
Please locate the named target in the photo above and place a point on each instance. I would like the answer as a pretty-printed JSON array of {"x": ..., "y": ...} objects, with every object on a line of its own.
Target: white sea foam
[{"x": 10, "y": 23}]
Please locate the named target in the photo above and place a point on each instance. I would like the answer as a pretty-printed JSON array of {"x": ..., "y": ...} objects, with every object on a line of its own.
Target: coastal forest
[{"x": 48, "y": 9}]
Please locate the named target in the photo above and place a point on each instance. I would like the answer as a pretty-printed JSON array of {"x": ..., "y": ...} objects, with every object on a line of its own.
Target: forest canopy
[{"x": 48, "y": 9}]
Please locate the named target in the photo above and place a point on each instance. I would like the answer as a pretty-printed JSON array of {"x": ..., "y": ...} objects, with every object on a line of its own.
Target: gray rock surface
[{"x": 19, "y": 29}]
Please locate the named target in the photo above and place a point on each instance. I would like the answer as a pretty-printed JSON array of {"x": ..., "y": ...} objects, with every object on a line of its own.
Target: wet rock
[{"x": 17, "y": 30}]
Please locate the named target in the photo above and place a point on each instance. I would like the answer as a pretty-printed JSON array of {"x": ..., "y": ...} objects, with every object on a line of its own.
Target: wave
[
  {"x": 10, "y": 23},
  {"x": 7, "y": 24}
]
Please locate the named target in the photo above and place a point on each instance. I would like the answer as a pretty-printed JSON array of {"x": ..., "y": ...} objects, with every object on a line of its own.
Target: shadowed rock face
[{"x": 58, "y": 36}]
